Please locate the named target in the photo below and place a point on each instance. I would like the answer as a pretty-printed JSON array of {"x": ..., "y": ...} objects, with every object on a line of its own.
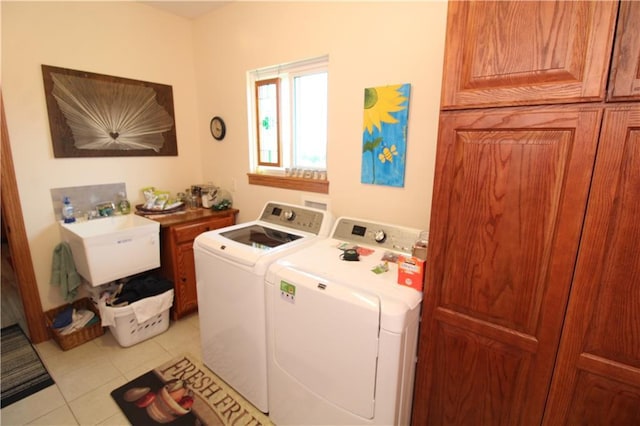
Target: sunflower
[{"x": 379, "y": 102}]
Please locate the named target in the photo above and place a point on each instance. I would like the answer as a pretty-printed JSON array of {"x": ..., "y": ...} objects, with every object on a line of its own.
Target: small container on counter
[{"x": 124, "y": 206}]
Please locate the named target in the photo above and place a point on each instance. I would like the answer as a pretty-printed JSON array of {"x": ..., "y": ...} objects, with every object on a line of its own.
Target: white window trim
[{"x": 289, "y": 70}]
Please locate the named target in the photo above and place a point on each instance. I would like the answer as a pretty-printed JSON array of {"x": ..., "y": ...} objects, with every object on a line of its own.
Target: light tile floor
[{"x": 86, "y": 375}]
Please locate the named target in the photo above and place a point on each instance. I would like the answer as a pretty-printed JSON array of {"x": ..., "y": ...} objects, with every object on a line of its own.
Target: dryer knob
[
  {"x": 289, "y": 215},
  {"x": 380, "y": 236}
]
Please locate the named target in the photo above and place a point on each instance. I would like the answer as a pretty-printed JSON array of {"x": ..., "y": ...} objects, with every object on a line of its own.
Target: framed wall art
[
  {"x": 96, "y": 115},
  {"x": 384, "y": 138}
]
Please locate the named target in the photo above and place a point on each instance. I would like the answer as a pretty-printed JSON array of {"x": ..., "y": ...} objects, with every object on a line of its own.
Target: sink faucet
[
  {"x": 92, "y": 214},
  {"x": 107, "y": 208}
]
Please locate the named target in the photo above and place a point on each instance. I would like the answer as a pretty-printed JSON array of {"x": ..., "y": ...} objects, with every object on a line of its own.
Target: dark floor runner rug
[{"x": 23, "y": 373}]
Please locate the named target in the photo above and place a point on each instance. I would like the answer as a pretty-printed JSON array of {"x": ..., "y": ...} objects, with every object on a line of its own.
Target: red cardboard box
[{"x": 411, "y": 272}]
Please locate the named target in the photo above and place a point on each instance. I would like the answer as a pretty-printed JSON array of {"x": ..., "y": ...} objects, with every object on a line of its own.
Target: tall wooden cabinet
[{"x": 537, "y": 183}]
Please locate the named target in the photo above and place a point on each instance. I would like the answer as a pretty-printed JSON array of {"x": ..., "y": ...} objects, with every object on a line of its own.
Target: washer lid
[
  {"x": 255, "y": 244},
  {"x": 260, "y": 236}
]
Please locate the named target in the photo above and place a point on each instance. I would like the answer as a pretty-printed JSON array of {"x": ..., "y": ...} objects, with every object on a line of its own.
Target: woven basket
[{"x": 81, "y": 336}]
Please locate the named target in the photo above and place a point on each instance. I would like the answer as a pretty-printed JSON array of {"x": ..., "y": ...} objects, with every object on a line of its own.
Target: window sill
[{"x": 287, "y": 182}]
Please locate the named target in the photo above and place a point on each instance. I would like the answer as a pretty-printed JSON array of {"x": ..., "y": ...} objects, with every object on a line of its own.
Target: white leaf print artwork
[{"x": 108, "y": 115}]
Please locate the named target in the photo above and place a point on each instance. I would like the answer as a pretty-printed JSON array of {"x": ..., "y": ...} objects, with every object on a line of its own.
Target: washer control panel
[
  {"x": 383, "y": 235},
  {"x": 295, "y": 217}
]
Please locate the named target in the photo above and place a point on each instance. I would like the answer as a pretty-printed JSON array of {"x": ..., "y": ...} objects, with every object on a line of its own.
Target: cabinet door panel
[
  {"x": 606, "y": 402},
  {"x": 501, "y": 53},
  {"x": 509, "y": 199},
  {"x": 625, "y": 65},
  {"x": 599, "y": 357},
  {"x": 177, "y": 257},
  {"x": 506, "y": 193},
  {"x": 187, "y": 297},
  {"x": 467, "y": 362}
]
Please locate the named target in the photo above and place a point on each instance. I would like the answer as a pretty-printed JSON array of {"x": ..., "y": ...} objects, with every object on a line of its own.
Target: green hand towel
[{"x": 64, "y": 273}]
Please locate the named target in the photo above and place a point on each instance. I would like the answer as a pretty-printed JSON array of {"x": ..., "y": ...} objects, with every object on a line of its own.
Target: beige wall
[
  {"x": 205, "y": 61},
  {"x": 369, "y": 44},
  {"x": 122, "y": 39}
]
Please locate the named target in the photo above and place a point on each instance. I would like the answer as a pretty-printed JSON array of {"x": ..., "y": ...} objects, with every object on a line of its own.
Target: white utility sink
[{"x": 113, "y": 247}]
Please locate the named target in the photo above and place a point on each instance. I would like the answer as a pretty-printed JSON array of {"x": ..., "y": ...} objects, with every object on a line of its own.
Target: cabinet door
[
  {"x": 186, "y": 298},
  {"x": 182, "y": 264},
  {"x": 625, "y": 65},
  {"x": 597, "y": 376},
  {"x": 509, "y": 199},
  {"x": 501, "y": 53}
]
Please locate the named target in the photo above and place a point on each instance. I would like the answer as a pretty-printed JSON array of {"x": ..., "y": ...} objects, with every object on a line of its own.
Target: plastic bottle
[
  {"x": 124, "y": 206},
  {"x": 67, "y": 211}
]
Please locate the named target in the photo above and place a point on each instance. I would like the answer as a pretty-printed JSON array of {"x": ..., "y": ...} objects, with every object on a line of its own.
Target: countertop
[{"x": 185, "y": 216}]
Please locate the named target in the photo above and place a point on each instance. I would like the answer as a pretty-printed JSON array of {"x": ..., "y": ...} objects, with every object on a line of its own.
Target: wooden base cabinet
[{"x": 177, "y": 260}]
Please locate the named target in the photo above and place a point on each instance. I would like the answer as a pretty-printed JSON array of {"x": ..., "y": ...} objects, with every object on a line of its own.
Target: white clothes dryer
[
  {"x": 231, "y": 264},
  {"x": 342, "y": 334}
]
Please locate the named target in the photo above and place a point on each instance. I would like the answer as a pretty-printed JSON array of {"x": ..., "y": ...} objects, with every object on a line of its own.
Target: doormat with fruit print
[{"x": 184, "y": 392}]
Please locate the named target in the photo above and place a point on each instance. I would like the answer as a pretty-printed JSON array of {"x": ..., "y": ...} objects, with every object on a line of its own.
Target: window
[
  {"x": 268, "y": 120},
  {"x": 288, "y": 116}
]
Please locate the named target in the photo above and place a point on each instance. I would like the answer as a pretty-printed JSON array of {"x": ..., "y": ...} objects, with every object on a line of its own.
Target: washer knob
[
  {"x": 289, "y": 215},
  {"x": 379, "y": 236}
]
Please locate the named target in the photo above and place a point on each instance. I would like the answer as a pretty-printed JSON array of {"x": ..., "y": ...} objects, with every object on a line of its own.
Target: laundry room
[
  {"x": 320, "y": 212},
  {"x": 206, "y": 60}
]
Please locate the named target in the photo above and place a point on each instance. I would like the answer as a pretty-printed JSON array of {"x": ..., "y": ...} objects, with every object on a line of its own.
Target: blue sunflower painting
[{"x": 384, "y": 141}]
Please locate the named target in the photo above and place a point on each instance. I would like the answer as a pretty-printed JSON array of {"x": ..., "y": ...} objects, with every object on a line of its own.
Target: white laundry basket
[{"x": 141, "y": 320}]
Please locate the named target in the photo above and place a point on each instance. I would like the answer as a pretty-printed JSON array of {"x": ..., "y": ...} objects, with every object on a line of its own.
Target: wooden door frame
[{"x": 18, "y": 242}]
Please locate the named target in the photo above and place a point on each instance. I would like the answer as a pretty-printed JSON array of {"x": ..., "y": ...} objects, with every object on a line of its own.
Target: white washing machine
[
  {"x": 342, "y": 334},
  {"x": 231, "y": 264}
]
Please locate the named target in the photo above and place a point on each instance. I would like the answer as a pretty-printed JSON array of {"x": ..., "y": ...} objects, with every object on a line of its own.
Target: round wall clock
[{"x": 218, "y": 128}]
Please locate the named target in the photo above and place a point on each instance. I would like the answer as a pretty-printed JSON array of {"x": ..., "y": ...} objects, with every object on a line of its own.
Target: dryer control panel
[{"x": 383, "y": 235}]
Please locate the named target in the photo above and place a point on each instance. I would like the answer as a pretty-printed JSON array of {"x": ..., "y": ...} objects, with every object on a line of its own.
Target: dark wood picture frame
[{"x": 86, "y": 129}]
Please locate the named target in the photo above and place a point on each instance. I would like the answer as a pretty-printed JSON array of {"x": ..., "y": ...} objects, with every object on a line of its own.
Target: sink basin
[{"x": 114, "y": 247}]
